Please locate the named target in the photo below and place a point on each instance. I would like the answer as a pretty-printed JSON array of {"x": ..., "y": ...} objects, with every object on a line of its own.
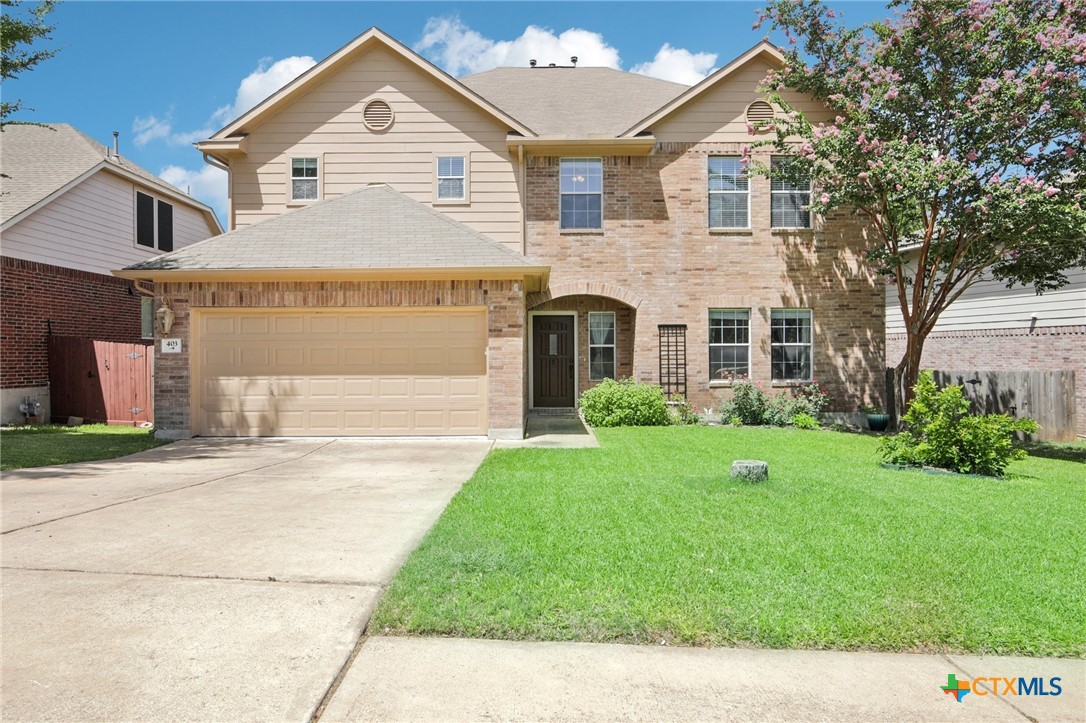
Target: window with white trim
[
  {"x": 304, "y": 179},
  {"x": 154, "y": 222},
  {"x": 790, "y": 344},
  {"x": 601, "y": 345},
  {"x": 729, "y": 193},
  {"x": 581, "y": 191},
  {"x": 147, "y": 317},
  {"x": 729, "y": 344},
  {"x": 452, "y": 178},
  {"x": 789, "y": 198}
]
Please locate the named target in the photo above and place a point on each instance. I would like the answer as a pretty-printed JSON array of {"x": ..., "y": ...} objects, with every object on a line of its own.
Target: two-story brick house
[{"x": 417, "y": 254}]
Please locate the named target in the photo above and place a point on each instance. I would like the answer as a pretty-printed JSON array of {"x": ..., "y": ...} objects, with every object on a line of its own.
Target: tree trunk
[{"x": 908, "y": 371}]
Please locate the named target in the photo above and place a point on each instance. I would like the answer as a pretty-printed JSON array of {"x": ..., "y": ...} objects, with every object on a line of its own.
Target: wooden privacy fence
[
  {"x": 1047, "y": 397},
  {"x": 100, "y": 381}
]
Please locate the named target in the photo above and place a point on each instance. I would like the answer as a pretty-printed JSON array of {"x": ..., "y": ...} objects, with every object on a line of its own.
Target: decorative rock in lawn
[{"x": 750, "y": 470}]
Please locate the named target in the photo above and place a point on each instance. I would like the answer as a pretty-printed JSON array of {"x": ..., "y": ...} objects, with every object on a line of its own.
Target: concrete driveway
[{"x": 209, "y": 579}]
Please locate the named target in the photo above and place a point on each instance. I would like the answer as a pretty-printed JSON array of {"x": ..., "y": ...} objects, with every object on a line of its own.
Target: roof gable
[
  {"x": 763, "y": 49},
  {"x": 45, "y": 161},
  {"x": 328, "y": 66}
]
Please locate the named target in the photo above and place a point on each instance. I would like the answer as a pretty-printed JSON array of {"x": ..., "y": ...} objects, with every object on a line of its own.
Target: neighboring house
[
  {"x": 993, "y": 328},
  {"x": 539, "y": 229},
  {"x": 72, "y": 211}
]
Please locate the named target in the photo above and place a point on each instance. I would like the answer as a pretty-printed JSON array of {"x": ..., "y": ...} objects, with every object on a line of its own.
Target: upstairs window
[
  {"x": 154, "y": 222},
  {"x": 601, "y": 345},
  {"x": 790, "y": 347},
  {"x": 581, "y": 189},
  {"x": 452, "y": 178},
  {"x": 729, "y": 193},
  {"x": 304, "y": 179},
  {"x": 789, "y": 198}
]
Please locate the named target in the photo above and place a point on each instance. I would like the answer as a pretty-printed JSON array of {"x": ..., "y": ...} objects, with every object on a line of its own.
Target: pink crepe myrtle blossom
[
  {"x": 1051, "y": 191},
  {"x": 824, "y": 198},
  {"x": 971, "y": 156}
]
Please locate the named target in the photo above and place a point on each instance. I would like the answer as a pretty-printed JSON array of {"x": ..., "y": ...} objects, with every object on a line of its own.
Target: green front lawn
[
  {"x": 52, "y": 444},
  {"x": 647, "y": 540}
]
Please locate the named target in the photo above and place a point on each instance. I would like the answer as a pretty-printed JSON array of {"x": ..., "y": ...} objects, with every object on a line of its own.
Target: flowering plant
[{"x": 958, "y": 133}]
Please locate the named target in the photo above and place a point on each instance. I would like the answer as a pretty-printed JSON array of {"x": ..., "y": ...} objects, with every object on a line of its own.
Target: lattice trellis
[{"x": 673, "y": 359}]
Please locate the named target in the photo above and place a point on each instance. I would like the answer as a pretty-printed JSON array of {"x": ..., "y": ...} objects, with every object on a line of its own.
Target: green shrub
[
  {"x": 805, "y": 421},
  {"x": 748, "y": 404},
  {"x": 753, "y": 406},
  {"x": 625, "y": 404},
  {"x": 941, "y": 433},
  {"x": 683, "y": 412}
]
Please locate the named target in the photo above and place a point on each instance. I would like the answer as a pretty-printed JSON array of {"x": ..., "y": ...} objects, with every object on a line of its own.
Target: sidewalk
[{"x": 454, "y": 679}]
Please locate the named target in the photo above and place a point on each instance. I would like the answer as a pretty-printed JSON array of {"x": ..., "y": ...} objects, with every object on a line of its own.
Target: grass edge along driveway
[
  {"x": 39, "y": 446},
  {"x": 647, "y": 540}
]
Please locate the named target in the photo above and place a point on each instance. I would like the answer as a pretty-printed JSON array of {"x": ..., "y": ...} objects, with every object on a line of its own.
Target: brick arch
[{"x": 585, "y": 288}]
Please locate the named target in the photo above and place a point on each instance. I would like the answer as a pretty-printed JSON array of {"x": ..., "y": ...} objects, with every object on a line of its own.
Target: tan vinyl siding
[
  {"x": 991, "y": 305},
  {"x": 429, "y": 119},
  {"x": 720, "y": 113},
  {"x": 92, "y": 228}
]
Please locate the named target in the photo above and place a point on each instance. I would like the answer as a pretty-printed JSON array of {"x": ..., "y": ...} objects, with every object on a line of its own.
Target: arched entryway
[{"x": 578, "y": 335}]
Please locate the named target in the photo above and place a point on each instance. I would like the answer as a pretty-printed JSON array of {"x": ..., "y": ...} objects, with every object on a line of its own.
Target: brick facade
[
  {"x": 656, "y": 247},
  {"x": 36, "y": 298},
  {"x": 1052, "y": 348},
  {"x": 504, "y": 301}
]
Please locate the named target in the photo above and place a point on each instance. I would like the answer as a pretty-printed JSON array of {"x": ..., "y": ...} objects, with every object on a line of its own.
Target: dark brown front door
[{"x": 552, "y": 361}]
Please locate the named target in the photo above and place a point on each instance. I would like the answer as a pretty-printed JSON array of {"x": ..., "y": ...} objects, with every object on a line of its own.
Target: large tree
[
  {"x": 18, "y": 35},
  {"x": 960, "y": 135}
]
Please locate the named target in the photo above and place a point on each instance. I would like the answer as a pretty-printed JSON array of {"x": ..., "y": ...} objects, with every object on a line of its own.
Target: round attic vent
[
  {"x": 759, "y": 111},
  {"x": 377, "y": 115}
]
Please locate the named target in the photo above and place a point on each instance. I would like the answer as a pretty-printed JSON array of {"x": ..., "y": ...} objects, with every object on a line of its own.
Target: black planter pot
[{"x": 878, "y": 422}]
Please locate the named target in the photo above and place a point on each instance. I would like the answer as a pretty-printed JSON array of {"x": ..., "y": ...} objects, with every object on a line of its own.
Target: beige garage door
[{"x": 327, "y": 373}]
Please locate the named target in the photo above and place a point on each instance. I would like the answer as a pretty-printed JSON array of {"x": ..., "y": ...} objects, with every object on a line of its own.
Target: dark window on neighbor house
[
  {"x": 790, "y": 344},
  {"x": 601, "y": 345},
  {"x": 581, "y": 190},
  {"x": 729, "y": 193},
  {"x": 304, "y": 179},
  {"x": 154, "y": 222},
  {"x": 789, "y": 197},
  {"x": 729, "y": 344}
]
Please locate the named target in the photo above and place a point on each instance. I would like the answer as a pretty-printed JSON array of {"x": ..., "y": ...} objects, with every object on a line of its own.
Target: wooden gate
[
  {"x": 100, "y": 381},
  {"x": 1047, "y": 397}
]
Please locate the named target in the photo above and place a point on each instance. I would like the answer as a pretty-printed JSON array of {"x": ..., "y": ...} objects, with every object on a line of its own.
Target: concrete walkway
[
  {"x": 423, "y": 679},
  {"x": 207, "y": 580},
  {"x": 553, "y": 431}
]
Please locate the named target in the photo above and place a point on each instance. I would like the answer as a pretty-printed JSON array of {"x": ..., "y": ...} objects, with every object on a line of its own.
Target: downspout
[
  {"x": 523, "y": 203},
  {"x": 216, "y": 163}
]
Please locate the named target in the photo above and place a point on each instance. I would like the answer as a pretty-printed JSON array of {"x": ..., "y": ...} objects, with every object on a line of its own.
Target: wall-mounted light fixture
[{"x": 165, "y": 316}]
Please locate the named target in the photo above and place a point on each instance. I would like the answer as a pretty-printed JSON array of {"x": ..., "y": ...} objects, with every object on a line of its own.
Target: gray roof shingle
[
  {"x": 374, "y": 227},
  {"x": 41, "y": 160},
  {"x": 573, "y": 102}
]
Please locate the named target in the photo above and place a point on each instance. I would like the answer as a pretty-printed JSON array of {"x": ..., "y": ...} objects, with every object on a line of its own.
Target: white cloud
[
  {"x": 268, "y": 77},
  {"x": 462, "y": 51},
  {"x": 207, "y": 184},
  {"x": 149, "y": 129},
  {"x": 678, "y": 65}
]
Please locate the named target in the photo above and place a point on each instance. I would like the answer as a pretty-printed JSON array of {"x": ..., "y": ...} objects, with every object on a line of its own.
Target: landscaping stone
[{"x": 750, "y": 470}]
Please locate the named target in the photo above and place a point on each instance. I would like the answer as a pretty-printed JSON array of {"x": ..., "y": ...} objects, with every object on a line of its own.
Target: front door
[{"x": 553, "y": 357}]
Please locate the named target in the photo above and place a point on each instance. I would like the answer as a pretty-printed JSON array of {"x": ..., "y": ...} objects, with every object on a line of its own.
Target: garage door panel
[{"x": 352, "y": 372}]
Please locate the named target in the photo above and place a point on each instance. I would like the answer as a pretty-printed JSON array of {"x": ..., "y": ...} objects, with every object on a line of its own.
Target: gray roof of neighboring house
[
  {"x": 41, "y": 159},
  {"x": 374, "y": 227},
  {"x": 573, "y": 102}
]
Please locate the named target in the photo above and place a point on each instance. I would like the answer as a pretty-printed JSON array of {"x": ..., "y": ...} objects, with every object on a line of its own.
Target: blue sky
[{"x": 165, "y": 73}]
